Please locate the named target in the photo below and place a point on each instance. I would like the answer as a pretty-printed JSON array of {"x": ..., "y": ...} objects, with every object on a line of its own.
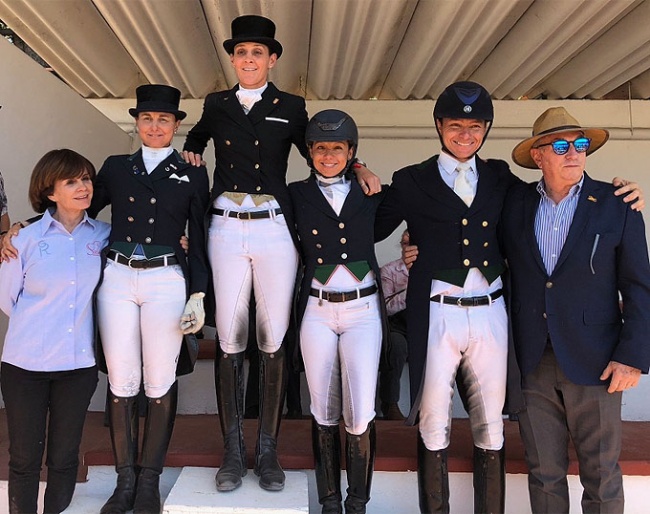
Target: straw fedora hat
[{"x": 555, "y": 120}]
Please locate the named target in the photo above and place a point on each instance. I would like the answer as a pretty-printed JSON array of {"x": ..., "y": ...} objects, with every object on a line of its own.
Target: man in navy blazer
[{"x": 573, "y": 250}]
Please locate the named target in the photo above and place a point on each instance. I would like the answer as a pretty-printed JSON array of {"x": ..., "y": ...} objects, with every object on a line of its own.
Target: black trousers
[{"x": 44, "y": 410}]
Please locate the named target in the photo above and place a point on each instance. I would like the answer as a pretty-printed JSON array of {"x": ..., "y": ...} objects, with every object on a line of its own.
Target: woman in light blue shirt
[{"x": 48, "y": 365}]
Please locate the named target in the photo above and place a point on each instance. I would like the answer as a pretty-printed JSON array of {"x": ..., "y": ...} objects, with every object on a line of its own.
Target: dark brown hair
[{"x": 55, "y": 165}]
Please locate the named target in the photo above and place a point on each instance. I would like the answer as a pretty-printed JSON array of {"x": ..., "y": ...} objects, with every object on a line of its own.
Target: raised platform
[{"x": 197, "y": 442}]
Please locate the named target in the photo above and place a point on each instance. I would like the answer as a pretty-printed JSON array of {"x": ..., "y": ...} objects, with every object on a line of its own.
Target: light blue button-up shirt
[
  {"x": 47, "y": 294},
  {"x": 553, "y": 221}
]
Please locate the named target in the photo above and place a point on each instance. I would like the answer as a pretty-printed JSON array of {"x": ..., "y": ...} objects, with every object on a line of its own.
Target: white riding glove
[{"x": 194, "y": 314}]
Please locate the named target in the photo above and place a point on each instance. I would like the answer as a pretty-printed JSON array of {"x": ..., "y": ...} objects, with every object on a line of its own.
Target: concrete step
[{"x": 191, "y": 491}]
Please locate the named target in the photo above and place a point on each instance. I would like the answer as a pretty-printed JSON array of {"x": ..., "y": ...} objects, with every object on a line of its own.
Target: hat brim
[
  {"x": 180, "y": 115},
  {"x": 273, "y": 45},
  {"x": 521, "y": 153}
]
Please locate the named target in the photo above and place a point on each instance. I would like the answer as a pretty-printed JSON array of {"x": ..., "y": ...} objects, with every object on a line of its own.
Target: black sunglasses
[{"x": 561, "y": 146}]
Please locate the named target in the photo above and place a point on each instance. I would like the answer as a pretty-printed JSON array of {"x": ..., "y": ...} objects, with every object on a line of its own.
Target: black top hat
[
  {"x": 158, "y": 98},
  {"x": 254, "y": 29}
]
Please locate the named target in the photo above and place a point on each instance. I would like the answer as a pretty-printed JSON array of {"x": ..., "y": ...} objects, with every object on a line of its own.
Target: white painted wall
[{"x": 40, "y": 113}]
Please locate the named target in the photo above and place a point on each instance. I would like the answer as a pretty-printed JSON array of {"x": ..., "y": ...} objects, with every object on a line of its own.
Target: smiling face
[
  {"x": 462, "y": 137},
  {"x": 252, "y": 63},
  {"x": 156, "y": 129},
  {"x": 330, "y": 157},
  {"x": 560, "y": 170},
  {"x": 73, "y": 195}
]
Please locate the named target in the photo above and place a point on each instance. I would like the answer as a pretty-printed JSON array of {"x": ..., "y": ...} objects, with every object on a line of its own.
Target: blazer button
[
  {"x": 232, "y": 166},
  {"x": 257, "y": 142},
  {"x": 319, "y": 260},
  {"x": 486, "y": 244},
  {"x": 151, "y": 220},
  {"x": 153, "y": 200},
  {"x": 466, "y": 242},
  {"x": 147, "y": 240},
  {"x": 464, "y": 222},
  {"x": 544, "y": 315},
  {"x": 485, "y": 263},
  {"x": 466, "y": 262},
  {"x": 319, "y": 246},
  {"x": 344, "y": 256},
  {"x": 128, "y": 239},
  {"x": 549, "y": 285},
  {"x": 130, "y": 218},
  {"x": 341, "y": 225},
  {"x": 257, "y": 166},
  {"x": 258, "y": 188},
  {"x": 485, "y": 223},
  {"x": 227, "y": 142},
  {"x": 235, "y": 187},
  {"x": 314, "y": 231},
  {"x": 131, "y": 199},
  {"x": 343, "y": 240}
]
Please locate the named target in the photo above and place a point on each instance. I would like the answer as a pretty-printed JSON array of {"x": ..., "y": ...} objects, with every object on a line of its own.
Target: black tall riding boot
[
  {"x": 123, "y": 422},
  {"x": 433, "y": 479},
  {"x": 326, "y": 445},
  {"x": 273, "y": 378},
  {"x": 158, "y": 428},
  {"x": 489, "y": 481},
  {"x": 229, "y": 381},
  {"x": 359, "y": 463}
]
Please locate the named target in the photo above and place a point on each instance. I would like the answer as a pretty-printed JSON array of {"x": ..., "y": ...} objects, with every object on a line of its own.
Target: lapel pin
[
  {"x": 172, "y": 166},
  {"x": 276, "y": 100},
  {"x": 592, "y": 199}
]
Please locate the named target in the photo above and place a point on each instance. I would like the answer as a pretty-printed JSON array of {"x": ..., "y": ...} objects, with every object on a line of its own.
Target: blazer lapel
[
  {"x": 172, "y": 165},
  {"x": 270, "y": 101},
  {"x": 315, "y": 197},
  {"x": 531, "y": 204},
  {"x": 353, "y": 201},
  {"x": 487, "y": 179},
  {"x": 233, "y": 108},
  {"x": 580, "y": 218},
  {"x": 136, "y": 168},
  {"x": 430, "y": 182}
]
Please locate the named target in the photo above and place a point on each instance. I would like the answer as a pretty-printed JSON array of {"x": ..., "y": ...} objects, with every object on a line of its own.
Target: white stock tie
[
  {"x": 247, "y": 99},
  {"x": 462, "y": 187}
]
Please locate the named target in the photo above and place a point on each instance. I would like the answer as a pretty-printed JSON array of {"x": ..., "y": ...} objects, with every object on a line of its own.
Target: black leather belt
[
  {"x": 346, "y": 296},
  {"x": 156, "y": 262},
  {"x": 469, "y": 301},
  {"x": 246, "y": 215}
]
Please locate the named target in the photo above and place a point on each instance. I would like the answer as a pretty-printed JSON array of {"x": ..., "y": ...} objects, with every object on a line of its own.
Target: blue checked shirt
[{"x": 553, "y": 221}]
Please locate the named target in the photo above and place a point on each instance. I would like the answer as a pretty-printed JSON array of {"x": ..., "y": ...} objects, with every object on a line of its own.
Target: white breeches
[
  {"x": 341, "y": 345},
  {"x": 472, "y": 341},
  {"x": 139, "y": 321},
  {"x": 257, "y": 254}
]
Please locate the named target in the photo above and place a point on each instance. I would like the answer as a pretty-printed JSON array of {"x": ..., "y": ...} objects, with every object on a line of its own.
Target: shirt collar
[
  {"x": 448, "y": 164},
  {"x": 574, "y": 191},
  {"x": 47, "y": 220},
  {"x": 252, "y": 92}
]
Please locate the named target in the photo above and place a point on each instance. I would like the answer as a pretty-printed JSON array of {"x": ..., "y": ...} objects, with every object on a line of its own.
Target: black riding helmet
[
  {"x": 332, "y": 125},
  {"x": 464, "y": 100}
]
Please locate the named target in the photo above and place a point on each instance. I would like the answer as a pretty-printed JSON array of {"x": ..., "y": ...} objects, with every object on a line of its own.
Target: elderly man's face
[
  {"x": 565, "y": 169},
  {"x": 462, "y": 137}
]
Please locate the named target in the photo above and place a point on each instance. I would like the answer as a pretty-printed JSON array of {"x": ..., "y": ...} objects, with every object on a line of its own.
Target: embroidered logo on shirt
[
  {"x": 43, "y": 248},
  {"x": 94, "y": 248}
]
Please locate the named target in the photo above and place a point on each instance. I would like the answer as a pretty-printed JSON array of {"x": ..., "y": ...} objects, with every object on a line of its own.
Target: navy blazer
[
  {"x": 577, "y": 306},
  {"x": 438, "y": 220},
  {"x": 252, "y": 151},
  {"x": 328, "y": 238},
  {"x": 155, "y": 208}
]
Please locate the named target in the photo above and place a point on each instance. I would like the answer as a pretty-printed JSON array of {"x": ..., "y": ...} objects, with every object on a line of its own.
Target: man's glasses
[{"x": 561, "y": 146}]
